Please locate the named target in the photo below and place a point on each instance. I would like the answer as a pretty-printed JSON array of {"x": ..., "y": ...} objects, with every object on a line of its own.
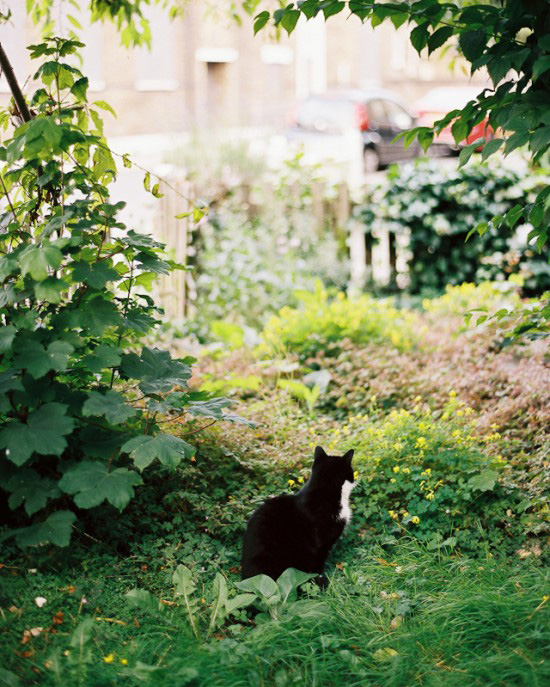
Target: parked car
[
  {"x": 436, "y": 104},
  {"x": 377, "y": 115}
]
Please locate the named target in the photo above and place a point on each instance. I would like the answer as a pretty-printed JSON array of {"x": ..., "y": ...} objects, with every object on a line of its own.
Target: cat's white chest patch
[{"x": 345, "y": 510}]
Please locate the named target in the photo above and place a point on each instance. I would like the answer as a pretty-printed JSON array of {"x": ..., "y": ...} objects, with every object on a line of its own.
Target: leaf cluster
[{"x": 82, "y": 402}]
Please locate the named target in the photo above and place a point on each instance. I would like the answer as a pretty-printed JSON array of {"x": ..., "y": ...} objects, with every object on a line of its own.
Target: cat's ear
[
  {"x": 319, "y": 454},
  {"x": 348, "y": 455}
]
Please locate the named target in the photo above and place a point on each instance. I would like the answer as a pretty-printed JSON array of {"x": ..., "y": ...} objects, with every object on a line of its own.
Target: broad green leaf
[
  {"x": 102, "y": 357},
  {"x": 56, "y": 529},
  {"x": 37, "y": 260},
  {"x": 467, "y": 152},
  {"x": 145, "y": 601},
  {"x": 44, "y": 433},
  {"x": 6, "y": 337},
  {"x": 50, "y": 290},
  {"x": 541, "y": 66},
  {"x": 513, "y": 215},
  {"x": 289, "y": 20},
  {"x": 290, "y": 580},
  {"x": 96, "y": 275},
  {"x": 105, "y": 106},
  {"x": 540, "y": 140},
  {"x": 91, "y": 483},
  {"x": 263, "y": 586},
  {"x": 110, "y": 405},
  {"x": 491, "y": 147},
  {"x": 96, "y": 314},
  {"x": 439, "y": 37},
  {"x": 80, "y": 89},
  {"x": 332, "y": 8},
  {"x": 472, "y": 43},
  {"x": 485, "y": 481},
  {"x": 217, "y": 612},
  {"x": 156, "y": 369},
  {"x": 82, "y": 634},
  {"x": 419, "y": 36},
  {"x": 459, "y": 130},
  {"x": 37, "y": 360},
  {"x": 238, "y": 602},
  {"x": 28, "y": 488},
  {"x": 183, "y": 581},
  {"x": 167, "y": 448},
  {"x": 260, "y": 21}
]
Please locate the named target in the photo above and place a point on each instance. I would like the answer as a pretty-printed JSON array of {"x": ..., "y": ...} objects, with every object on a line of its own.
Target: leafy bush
[
  {"x": 80, "y": 411},
  {"x": 428, "y": 475},
  {"x": 439, "y": 207},
  {"x": 321, "y": 323},
  {"x": 490, "y": 296},
  {"x": 259, "y": 244}
]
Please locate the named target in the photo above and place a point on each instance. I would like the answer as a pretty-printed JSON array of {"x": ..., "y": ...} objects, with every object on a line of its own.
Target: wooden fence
[{"x": 176, "y": 292}]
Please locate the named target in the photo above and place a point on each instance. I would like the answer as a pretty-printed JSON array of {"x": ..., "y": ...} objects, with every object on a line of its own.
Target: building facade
[{"x": 205, "y": 71}]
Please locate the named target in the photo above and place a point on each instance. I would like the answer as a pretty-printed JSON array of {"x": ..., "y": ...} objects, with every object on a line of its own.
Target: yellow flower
[
  {"x": 398, "y": 446},
  {"x": 405, "y": 514},
  {"x": 392, "y": 480},
  {"x": 124, "y": 661},
  {"x": 301, "y": 480},
  {"x": 430, "y": 496},
  {"x": 291, "y": 482},
  {"x": 427, "y": 471},
  {"x": 415, "y": 519},
  {"x": 468, "y": 410},
  {"x": 109, "y": 658},
  {"x": 393, "y": 515},
  {"x": 355, "y": 474},
  {"x": 406, "y": 471},
  {"x": 311, "y": 430},
  {"x": 396, "y": 468},
  {"x": 421, "y": 442},
  {"x": 460, "y": 413},
  {"x": 452, "y": 393},
  {"x": 418, "y": 399}
]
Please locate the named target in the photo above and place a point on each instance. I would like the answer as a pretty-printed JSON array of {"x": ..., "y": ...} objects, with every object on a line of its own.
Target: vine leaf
[
  {"x": 56, "y": 529},
  {"x": 91, "y": 483},
  {"x": 110, "y": 405},
  {"x": 166, "y": 447},
  {"x": 156, "y": 369},
  {"x": 26, "y": 486},
  {"x": 44, "y": 433},
  {"x": 38, "y": 360}
]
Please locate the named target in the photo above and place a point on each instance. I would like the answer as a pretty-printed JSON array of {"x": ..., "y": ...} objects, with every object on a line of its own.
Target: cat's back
[{"x": 277, "y": 514}]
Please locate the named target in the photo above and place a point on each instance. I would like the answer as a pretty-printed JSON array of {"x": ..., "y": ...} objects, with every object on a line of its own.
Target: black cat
[{"x": 298, "y": 531}]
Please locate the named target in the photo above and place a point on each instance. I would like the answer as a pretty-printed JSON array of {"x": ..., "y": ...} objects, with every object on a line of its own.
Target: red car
[{"x": 436, "y": 104}]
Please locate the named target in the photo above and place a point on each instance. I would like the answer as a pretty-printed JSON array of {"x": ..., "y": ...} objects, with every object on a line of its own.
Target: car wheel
[{"x": 371, "y": 160}]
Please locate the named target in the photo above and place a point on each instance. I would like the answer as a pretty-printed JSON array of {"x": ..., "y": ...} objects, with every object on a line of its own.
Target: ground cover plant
[{"x": 439, "y": 577}]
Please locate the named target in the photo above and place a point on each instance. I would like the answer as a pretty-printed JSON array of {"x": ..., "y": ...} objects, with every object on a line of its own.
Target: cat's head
[{"x": 336, "y": 469}]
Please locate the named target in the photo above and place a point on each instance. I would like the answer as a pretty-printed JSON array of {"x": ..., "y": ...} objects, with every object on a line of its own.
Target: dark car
[{"x": 377, "y": 115}]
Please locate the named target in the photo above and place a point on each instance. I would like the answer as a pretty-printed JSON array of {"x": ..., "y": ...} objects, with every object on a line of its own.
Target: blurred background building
[{"x": 205, "y": 71}]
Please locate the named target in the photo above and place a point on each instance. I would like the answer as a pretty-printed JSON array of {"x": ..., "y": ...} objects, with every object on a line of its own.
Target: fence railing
[{"x": 331, "y": 207}]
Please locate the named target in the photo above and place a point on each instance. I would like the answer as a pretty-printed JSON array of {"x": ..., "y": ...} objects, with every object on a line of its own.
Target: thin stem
[{"x": 200, "y": 429}]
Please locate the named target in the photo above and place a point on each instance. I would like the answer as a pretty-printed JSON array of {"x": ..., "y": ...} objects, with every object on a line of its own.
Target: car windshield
[{"x": 324, "y": 114}]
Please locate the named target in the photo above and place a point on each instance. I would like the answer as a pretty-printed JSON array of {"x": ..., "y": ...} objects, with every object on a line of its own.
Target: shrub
[
  {"x": 322, "y": 323},
  {"x": 459, "y": 299},
  {"x": 258, "y": 245},
  {"x": 439, "y": 208},
  {"x": 80, "y": 410},
  {"x": 428, "y": 475}
]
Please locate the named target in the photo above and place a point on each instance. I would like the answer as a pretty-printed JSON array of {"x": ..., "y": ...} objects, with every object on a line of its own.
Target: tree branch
[{"x": 14, "y": 86}]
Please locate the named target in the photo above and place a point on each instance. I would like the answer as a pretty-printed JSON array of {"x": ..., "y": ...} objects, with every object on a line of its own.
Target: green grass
[{"x": 392, "y": 618}]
